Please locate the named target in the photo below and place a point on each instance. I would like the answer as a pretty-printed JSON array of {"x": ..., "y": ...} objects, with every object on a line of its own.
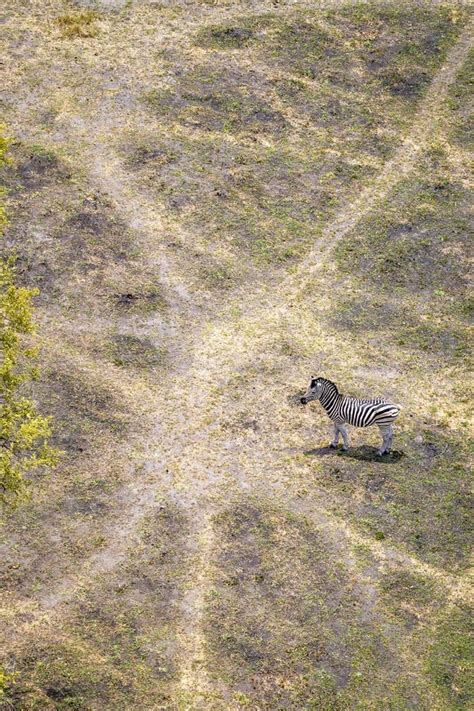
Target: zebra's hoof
[
  {"x": 332, "y": 445},
  {"x": 345, "y": 449},
  {"x": 380, "y": 453}
]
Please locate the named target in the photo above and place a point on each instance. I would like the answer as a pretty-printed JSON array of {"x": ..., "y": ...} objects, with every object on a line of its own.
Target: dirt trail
[
  {"x": 214, "y": 359},
  {"x": 186, "y": 461},
  {"x": 144, "y": 219},
  {"x": 426, "y": 124},
  {"x": 218, "y": 355},
  {"x": 195, "y": 685}
]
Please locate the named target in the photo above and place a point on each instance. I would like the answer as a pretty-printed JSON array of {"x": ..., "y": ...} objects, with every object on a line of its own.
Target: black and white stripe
[{"x": 351, "y": 410}]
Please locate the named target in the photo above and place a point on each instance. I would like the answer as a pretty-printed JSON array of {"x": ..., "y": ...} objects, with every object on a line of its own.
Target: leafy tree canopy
[{"x": 24, "y": 433}]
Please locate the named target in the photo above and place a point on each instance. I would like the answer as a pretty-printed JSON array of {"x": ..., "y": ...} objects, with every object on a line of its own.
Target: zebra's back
[{"x": 363, "y": 413}]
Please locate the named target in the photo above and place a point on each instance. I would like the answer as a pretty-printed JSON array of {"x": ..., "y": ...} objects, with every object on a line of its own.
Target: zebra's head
[{"x": 314, "y": 391}]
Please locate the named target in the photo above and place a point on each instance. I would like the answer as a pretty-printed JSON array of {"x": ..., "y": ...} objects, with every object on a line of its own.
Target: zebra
[{"x": 361, "y": 413}]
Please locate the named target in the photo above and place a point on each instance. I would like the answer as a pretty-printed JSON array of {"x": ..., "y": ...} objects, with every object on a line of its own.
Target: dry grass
[
  {"x": 218, "y": 200},
  {"x": 78, "y": 24}
]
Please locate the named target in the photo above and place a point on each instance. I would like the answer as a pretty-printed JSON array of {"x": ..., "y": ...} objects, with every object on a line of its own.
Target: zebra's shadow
[{"x": 362, "y": 454}]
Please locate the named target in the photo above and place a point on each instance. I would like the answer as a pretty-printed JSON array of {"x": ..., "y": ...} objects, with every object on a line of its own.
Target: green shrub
[
  {"x": 24, "y": 434},
  {"x": 6, "y": 681},
  {"x": 3, "y": 160}
]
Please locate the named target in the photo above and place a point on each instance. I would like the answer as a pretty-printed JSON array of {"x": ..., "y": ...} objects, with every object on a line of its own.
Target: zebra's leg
[
  {"x": 335, "y": 441},
  {"x": 345, "y": 438},
  {"x": 390, "y": 438},
  {"x": 387, "y": 435}
]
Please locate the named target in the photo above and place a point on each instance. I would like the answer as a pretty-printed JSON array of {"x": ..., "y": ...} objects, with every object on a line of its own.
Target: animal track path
[{"x": 185, "y": 464}]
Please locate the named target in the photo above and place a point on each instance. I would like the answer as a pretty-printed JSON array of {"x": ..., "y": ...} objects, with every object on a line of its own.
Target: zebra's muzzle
[{"x": 303, "y": 400}]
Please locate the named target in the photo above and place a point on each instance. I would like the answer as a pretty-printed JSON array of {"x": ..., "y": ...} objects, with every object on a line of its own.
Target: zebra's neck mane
[
  {"x": 329, "y": 386},
  {"x": 330, "y": 396}
]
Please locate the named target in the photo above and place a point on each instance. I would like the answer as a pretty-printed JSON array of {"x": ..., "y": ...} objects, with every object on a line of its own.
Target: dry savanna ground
[{"x": 218, "y": 200}]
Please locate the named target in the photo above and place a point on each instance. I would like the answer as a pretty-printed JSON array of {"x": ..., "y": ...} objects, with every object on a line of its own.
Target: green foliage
[
  {"x": 5, "y": 682},
  {"x": 24, "y": 434},
  {"x": 3, "y": 159}
]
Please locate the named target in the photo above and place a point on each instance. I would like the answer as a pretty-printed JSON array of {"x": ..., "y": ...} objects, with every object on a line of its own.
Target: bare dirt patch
[{"x": 188, "y": 553}]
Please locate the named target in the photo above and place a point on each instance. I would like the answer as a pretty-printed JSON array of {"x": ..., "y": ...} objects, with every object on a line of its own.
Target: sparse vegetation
[
  {"x": 128, "y": 350},
  {"x": 24, "y": 434},
  {"x": 450, "y": 661},
  {"x": 216, "y": 201},
  {"x": 6, "y": 681},
  {"x": 3, "y": 158},
  {"x": 225, "y": 37},
  {"x": 78, "y": 24}
]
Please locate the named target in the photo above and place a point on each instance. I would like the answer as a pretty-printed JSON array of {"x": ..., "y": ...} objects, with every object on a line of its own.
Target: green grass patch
[
  {"x": 116, "y": 644},
  {"x": 132, "y": 351},
  {"x": 414, "y": 239},
  {"x": 450, "y": 663},
  {"x": 460, "y": 98},
  {"x": 242, "y": 171},
  {"x": 287, "y": 622}
]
